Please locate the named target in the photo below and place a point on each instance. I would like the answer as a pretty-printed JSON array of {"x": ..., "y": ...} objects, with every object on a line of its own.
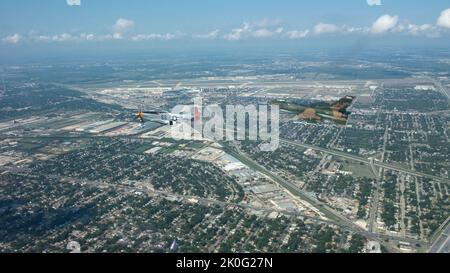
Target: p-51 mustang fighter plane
[
  {"x": 161, "y": 117},
  {"x": 314, "y": 112},
  {"x": 155, "y": 116}
]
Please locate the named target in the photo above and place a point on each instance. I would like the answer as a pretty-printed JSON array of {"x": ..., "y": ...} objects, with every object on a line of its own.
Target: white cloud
[
  {"x": 63, "y": 37},
  {"x": 264, "y": 29},
  {"x": 297, "y": 34},
  {"x": 238, "y": 33},
  {"x": 352, "y": 30},
  {"x": 73, "y": 2},
  {"x": 43, "y": 38},
  {"x": 12, "y": 39},
  {"x": 374, "y": 2},
  {"x": 261, "y": 29},
  {"x": 262, "y": 33},
  {"x": 323, "y": 28},
  {"x": 156, "y": 37},
  {"x": 444, "y": 19},
  {"x": 121, "y": 27},
  {"x": 384, "y": 24},
  {"x": 426, "y": 30},
  {"x": 87, "y": 37},
  {"x": 117, "y": 36},
  {"x": 209, "y": 36}
]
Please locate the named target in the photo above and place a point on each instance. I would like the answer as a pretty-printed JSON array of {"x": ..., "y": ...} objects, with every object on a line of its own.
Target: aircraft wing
[{"x": 154, "y": 112}]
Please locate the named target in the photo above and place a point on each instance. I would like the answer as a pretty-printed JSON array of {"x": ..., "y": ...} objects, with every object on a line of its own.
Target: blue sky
[{"x": 95, "y": 23}]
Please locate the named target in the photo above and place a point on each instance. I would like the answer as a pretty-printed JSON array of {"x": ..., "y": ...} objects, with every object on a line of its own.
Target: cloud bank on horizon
[{"x": 124, "y": 29}]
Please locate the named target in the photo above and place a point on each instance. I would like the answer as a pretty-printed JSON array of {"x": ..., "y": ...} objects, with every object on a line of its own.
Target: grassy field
[
  {"x": 358, "y": 170},
  {"x": 29, "y": 146}
]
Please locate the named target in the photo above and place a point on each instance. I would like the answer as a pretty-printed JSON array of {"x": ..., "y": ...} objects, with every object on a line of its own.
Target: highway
[
  {"x": 442, "y": 243},
  {"x": 223, "y": 204},
  {"x": 439, "y": 85},
  {"x": 356, "y": 158},
  {"x": 330, "y": 213}
]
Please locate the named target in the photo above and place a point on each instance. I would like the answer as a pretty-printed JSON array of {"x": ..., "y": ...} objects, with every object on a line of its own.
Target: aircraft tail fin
[
  {"x": 343, "y": 104},
  {"x": 140, "y": 117}
]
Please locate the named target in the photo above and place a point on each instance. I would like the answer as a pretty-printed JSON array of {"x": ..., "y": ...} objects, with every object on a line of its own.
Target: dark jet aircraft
[{"x": 315, "y": 112}]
